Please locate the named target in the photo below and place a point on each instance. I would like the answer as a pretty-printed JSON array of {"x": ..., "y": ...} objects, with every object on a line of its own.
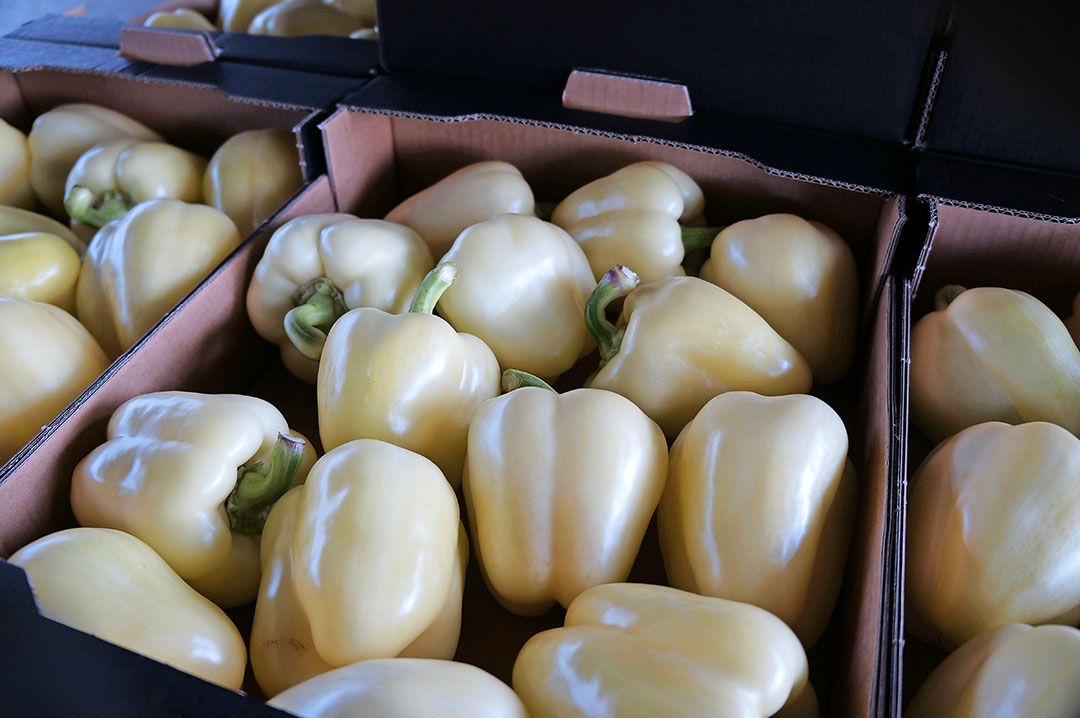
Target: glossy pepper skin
[
  {"x": 1073, "y": 322},
  {"x": 40, "y": 267},
  {"x": 991, "y": 354},
  {"x": 1016, "y": 671},
  {"x": 634, "y": 650},
  {"x": 294, "y": 18},
  {"x": 236, "y": 15},
  {"x": 192, "y": 475},
  {"x": 180, "y": 18},
  {"x": 365, "y": 560},
  {"x": 559, "y": 489},
  {"x": 20, "y": 221},
  {"x": 522, "y": 287},
  {"x": 362, "y": 9},
  {"x": 473, "y": 194},
  {"x": 60, "y": 136},
  {"x": 994, "y": 532},
  {"x": 112, "y": 585},
  {"x": 251, "y": 175},
  {"x": 315, "y": 268},
  {"x": 682, "y": 341},
  {"x": 402, "y": 688},
  {"x": 801, "y": 278},
  {"x": 112, "y": 177},
  {"x": 141, "y": 266},
  {"x": 759, "y": 506},
  {"x": 408, "y": 379},
  {"x": 15, "y": 189},
  {"x": 634, "y": 217},
  {"x": 46, "y": 360}
]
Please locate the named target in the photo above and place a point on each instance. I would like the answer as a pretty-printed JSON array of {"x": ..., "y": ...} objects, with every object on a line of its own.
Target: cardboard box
[
  {"x": 977, "y": 246},
  {"x": 196, "y": 109}
]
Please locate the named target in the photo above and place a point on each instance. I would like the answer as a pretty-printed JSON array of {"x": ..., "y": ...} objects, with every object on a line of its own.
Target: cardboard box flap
[
  {"x": 165, "y": 46},
  {"x": 339, "y": 56},
  {"x": 819, "y": 157},
  {"x": 836, "y": 67}
]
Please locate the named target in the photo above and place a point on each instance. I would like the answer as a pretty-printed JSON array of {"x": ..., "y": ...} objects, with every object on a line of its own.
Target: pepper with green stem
[{"x": 408, "y": 379}]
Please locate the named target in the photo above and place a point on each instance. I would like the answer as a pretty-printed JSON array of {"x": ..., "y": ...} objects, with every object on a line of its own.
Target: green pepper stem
[
  {"x": 436, "y": 282},
  {"x": 947, "y": 295},
  {"x": 515, "y": 379},
  {"x": 258, "y": 487},
  {"x": 96, "y": 210},
  {"x": 616, "y": 283},
  {"x": 698, "y": 237},
  {"x": 544, "y": 210},
  {"x": 318, "y": 303}
]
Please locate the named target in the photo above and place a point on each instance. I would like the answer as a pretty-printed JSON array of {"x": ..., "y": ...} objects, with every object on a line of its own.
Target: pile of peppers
[
  {"x": 993, "y": 539},
  {"x": 104, "y": 227},
  {"x": 283, "y": 18},
  {"x": 434, "y": 339}
]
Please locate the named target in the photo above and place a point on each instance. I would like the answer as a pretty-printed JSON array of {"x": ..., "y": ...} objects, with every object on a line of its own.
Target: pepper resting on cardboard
[
  {"x": 408, "y": 379},
  {"x": 60, "y": 136},
  {"x": 112, "y": 585},
  {"x": 559, "y": 490},
  {"x": 990, "y": 354},
  {"x": 630, "y": 650},
  {"x": 644, "y": 216},
  {"x": 682, "y": 341},
  {"x": 316, "y": 268},
  {"x": 759, "y": 506},
  {"x": 46, "y": 360},
  {"x": 402, "y": 688},
  {"x": 1015, "y": 670},
  {"x": 800, "y": 277},
  {"x": 994, "y": 532},
  {"x": 472, "y": 195},
  {"x": 193, "y": 475},
  {"x": 522, "y": 287},
  {"x": 251, "y": 175},
  {"x": 39, "y": 266},
  {"x": 365, "y": 560},
  {"x": 112, "y": 177},
  {"x": 141, "y": 266},
  {"x": 15, "y": 187}
]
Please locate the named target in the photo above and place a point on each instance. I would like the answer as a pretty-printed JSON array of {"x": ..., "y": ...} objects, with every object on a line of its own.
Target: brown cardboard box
[{"x": 978, "y": 246}]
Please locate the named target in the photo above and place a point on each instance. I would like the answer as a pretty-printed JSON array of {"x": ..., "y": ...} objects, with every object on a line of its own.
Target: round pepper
[
  {"x": 236, "y": 15},
  {"x": 180, "y": 18},
  {"x": 251, "y": 175},
  {"x": 15, "y": 190},
  {"x": 316, "y": 268},
  {"x": 39, "y": 266},
  {"x": 294, "y": 18}
]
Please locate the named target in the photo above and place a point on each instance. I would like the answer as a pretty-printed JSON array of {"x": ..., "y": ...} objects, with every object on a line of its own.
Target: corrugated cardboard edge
[
  {"x": 626, "y": 96},
  {"x": 164, "y": 46}
]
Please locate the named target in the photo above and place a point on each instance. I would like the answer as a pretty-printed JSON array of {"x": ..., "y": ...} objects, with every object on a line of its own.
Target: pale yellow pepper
[
  {"x": 472, "y": 195},
  {"x": 801, "y": 278},
  {"x": 636, "y": 651},
  {"x": 46, "y": 360},
  {"x": 15, "y": 187},
  {"x": 60, "y": 136},
  {"x": 252, "y": 175},
  {"x": 365, "y": 560},
  {"x": 1073, "y": 322},
  {"x": 994, "y": 532},
  {"x": 40, "y": 267},
  {"x": 362, "y": 9},
  {"x": 409, "y": 379},
  {"x": 1016, "y": 671},
  {"x": 522, "y": 287},
  {"x": 14, "y": 220},
  {"x": 759, "y": 506},
  {"x": 294, "y": 18},
  {"x": 236, "y": 15},
  {"x": 682, "y": 341},
  {"x": 193, "y": 475},
  {"x": 112, "y": 585},
  {"x": 559, "y": 490},
  {"x": 317, "y": 267},
  {"x": 181, "y": 18},
  {"x": 640, "y": 216},
  {"x": 112, "y": 177},
  {"x": 365, "y": 33},
  {"x": 990, "y": 354},
  {"x": 402, "y": 688},
  {"x": 140, "y": 267}
]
